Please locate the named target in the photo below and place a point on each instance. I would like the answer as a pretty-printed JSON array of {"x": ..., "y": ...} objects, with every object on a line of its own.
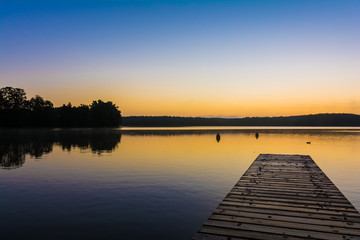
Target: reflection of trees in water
[
  {"x": 11, "y": 156},
  {"x": 16, "y": 144},
  {"x": 14, "y": 147},
  {"x": 98, "y": 142}
]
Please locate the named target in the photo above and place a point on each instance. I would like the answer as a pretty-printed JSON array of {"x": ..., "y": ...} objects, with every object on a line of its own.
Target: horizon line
[{"x": 238, "y": 117}]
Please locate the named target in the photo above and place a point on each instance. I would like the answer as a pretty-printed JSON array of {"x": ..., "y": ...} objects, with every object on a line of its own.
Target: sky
[{"x": 186, "y": 58}]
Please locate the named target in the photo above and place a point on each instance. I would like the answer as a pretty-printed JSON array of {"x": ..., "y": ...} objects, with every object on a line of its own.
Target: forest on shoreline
[
  {"x": 16, "y": 111},
  {"x": 316, "y": 120}
]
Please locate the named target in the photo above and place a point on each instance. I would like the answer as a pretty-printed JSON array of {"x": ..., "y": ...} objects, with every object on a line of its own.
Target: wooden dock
[{"x": 283, "y": 197}]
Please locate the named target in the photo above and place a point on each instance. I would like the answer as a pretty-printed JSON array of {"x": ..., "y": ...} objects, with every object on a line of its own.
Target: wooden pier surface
[{"x": 283, "y": 197}]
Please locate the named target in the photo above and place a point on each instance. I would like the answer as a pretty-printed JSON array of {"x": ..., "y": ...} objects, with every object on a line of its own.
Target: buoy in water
[{"x": 218, "y": 137}]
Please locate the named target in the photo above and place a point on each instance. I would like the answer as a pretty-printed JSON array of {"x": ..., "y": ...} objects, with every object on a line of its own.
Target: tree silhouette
[
  {"x": 104, "y": 114},
  {"x": 17, "y": 111},
  {"x": 13, "y": 107},
  {"x": 41, "y": 112},
  {"x": 39, "y": 104},
  {"x": 12, "y": 98}
]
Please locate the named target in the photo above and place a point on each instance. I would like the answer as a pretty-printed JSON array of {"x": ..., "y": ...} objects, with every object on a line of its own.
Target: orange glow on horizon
[{"x": 205, "y": 106}]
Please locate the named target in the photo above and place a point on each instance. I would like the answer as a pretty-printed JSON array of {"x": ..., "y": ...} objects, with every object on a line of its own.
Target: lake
[{"x": 152, "y": 183}]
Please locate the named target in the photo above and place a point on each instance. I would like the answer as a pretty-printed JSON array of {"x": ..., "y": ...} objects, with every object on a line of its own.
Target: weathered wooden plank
[
  {"x": 289, "y": 185},
  {"x": 297, "y": 219},
  {"x": 287, "y": 224},
  {"x": 233, "y": 233},
  {"x": 278, "y": 230},
  {"x": 283, "y": 179},
  {"x": 284, "y": 182},
  {"x": 271, "y": 198},
  {"x": 292, "y": 208},
  {"x": 295, "y": 189},
  {"x": 202, "y": 236},
  {"x": 281, "y": 202},
  {"x": 294, "y": 192},
  {"x": 283, "y": 197},
  {"x": 287, "y": 194},
  {"x": 341, "y": 218}
]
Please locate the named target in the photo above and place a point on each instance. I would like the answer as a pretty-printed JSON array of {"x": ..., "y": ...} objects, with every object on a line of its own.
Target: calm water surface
[{"x": 128, "y": 184}]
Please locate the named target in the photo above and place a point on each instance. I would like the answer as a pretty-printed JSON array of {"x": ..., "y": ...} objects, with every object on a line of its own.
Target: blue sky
[{"x": 226, "y": 58}]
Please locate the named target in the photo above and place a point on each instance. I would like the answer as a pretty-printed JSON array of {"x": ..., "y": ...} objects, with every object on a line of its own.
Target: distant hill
[{"x": 326, "y": 119}]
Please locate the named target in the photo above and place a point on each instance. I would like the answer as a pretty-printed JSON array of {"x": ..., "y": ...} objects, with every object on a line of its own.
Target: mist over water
[{"x": 109, "y": 183}]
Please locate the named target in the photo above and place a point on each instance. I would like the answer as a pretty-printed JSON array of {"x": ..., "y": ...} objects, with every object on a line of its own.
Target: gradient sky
[{"x": 187, "y": 58}]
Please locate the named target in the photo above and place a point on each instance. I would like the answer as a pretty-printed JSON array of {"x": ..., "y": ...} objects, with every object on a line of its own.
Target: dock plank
[{"x": 283, "y": 197}]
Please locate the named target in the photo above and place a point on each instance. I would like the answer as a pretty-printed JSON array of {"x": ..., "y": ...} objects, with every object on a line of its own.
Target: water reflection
[
  {"x": 97, "y": 141},
  {"x": 16, "y": 144},
  {"x": 11, "y": 157},
  {"x": 150, "y": 181}
]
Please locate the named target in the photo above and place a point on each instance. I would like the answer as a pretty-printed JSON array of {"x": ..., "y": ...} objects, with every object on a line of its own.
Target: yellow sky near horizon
[{"x": 261, "y": 103}]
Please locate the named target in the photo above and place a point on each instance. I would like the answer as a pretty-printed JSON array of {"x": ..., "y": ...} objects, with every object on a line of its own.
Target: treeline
[
  {"x": 328, "y": 119},
  {"x": 17, "y": 111}
]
